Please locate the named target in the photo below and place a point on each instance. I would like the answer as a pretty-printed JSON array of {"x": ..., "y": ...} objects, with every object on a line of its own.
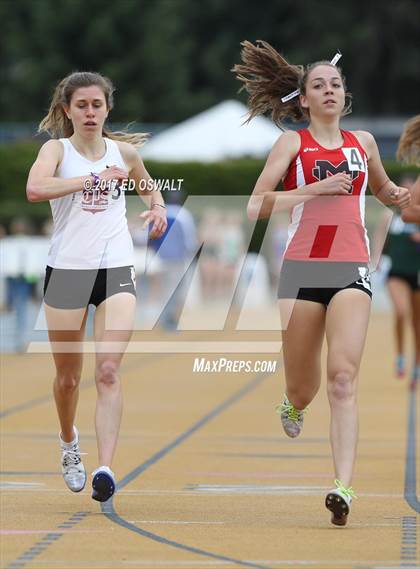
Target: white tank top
[{"x": 90, "y": 228}]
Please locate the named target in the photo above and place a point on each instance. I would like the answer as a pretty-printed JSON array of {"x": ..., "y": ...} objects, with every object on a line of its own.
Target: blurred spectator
[
  {"x": 47, "y": 228},
  {"x": 279, "y": 236},
  {"x": 403, "y": 280},
  {"x": 173, "y": 250},
  {"x": 3, "y": 306},
  {"x": 211, "y": 231},
  {"x": 231, "y": 250},
  {"x": 18, "y": 270}
]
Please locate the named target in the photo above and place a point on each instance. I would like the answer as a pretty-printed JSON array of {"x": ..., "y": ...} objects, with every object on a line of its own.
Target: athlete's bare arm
[
  {"x": 382, "y": 187},
  {"x": 42, "y": 185},
  {"x": 138, "y": 172},
  {"x": 411, "y": 214},
  {"x": 264, "y": 199},
  {"x": 152, "y": 198}
]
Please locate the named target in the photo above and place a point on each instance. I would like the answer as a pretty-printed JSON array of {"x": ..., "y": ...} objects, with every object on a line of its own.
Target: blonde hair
[
  {"x": 57, "y": 124},
  {"x": 409, "y": 146},
  {"x": 267, "y": 77}
]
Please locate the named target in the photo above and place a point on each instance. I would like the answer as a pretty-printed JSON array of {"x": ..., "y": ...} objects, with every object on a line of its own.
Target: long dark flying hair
[
  {"x": 267, "y": 77},
  {"x": 58, "y": 125}
]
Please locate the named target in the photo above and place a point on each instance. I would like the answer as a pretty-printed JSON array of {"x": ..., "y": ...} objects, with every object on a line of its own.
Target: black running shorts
[
  {"x": 73, "y": 288},
  {"x": 412, "y": 279},
  {"x": 320, "y": 281}
]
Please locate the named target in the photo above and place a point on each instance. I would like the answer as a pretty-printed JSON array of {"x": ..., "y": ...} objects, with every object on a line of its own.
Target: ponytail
[{"x": 273, "y": 84}]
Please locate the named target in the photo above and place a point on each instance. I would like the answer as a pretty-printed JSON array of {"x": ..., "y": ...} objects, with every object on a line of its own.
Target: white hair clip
[
  {"x": 290, "y": 96},
  {"x": 294, "y": 94}
]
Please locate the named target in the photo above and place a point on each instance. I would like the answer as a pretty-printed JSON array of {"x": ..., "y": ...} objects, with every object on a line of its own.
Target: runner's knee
[
  {"x": 107, "y": 374},
  {"x": 67, "y": 381},
  {"x": 341, "y": 383}
]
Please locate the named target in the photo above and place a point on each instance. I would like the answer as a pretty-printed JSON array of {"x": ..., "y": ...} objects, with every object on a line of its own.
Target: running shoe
[
  {"x": 291, "y": 418},
  {"x": 74, "y": 472},
  {"x": 103, "y": 484},
  {"x": 338, "y": 502}
]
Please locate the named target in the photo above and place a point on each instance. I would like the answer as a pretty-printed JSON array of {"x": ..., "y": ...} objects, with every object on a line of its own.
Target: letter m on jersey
[{"x": 324, "y": 168}]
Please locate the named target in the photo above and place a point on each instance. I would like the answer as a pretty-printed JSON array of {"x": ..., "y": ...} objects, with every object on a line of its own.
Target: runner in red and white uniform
[
  {"x": 342, "y": 235},
  {"x": 324, "y": 282}
]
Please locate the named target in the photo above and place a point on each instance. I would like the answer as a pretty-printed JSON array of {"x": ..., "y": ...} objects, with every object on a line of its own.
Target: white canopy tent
[{"x": 213, "y": 135}]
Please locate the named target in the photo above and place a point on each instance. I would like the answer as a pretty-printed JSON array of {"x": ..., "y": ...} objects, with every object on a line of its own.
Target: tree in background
[{"x": 171, "y": 58}]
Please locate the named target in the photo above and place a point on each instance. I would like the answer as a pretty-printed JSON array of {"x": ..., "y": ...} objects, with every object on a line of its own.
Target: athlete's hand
[
  {"x": 336, "y": 185},
  {"x": 401, "y": 197},
  {"x": 114, "y": 173},
  {"x": 157, "y": 217}
]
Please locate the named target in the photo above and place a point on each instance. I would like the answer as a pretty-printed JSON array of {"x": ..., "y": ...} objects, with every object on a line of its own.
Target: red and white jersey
[{"x": 328, "y": 228}]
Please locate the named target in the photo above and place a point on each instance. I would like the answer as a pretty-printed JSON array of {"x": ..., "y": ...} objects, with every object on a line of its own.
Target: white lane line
[
  {"x": 178, "y": 347},
  {"x": 261, "y": 489},
  {"x": 105, "y": 564},
  {"x": 198, "y": 492},
  {"x": 173, "y": 522},
  {"x": 21, "y": 485},
  {"x": 256, "y": 488},
  {"x": 54, "y": 530}
]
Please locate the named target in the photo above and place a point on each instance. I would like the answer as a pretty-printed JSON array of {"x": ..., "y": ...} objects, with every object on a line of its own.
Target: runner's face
[
  {"x": 87, "y": 110},
  {"x": 324, "y": 92}
]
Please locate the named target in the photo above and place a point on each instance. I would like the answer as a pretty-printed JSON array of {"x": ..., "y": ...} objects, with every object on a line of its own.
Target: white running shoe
[
  {"x": 103, "y": 484},
  {"x": 291, "y": 418},
  {"x": 74, "y": 472},
  {"x": 338, "y": 502}
]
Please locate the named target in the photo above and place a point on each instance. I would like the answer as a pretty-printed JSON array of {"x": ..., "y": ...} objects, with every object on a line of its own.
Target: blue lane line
[
  {"x": 48, "y": 539},
  {"x": 38, "y": 401},
  {"x": 120, "y": 521},
  {"x": 410, "y": 488},
  {"x": 108, "y": 507},
  {"x": 83, "y": 385},
  {"x": 408, "y": 553},
  {"x": 24, "y": 406}
]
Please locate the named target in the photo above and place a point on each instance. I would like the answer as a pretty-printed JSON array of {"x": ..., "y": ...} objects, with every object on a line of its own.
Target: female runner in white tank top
[{"x": 90, "y": 259}]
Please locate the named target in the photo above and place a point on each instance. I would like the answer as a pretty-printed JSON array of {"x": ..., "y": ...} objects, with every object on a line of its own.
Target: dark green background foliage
[{"x": 171, "y": 58}]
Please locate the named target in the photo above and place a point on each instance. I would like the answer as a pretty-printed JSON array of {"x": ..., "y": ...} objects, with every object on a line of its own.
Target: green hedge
[{"x": 232, "y": 177}]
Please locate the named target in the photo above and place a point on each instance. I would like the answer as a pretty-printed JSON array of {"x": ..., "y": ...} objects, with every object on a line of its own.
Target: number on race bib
[{"x": 354, "y": 159}]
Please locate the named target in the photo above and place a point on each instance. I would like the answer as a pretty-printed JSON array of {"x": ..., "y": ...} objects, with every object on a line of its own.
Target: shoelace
[
  {"x": 292, "y": 413},
  {"x": 72, "y": 457},
  {"x": 346, "y": 491}
]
